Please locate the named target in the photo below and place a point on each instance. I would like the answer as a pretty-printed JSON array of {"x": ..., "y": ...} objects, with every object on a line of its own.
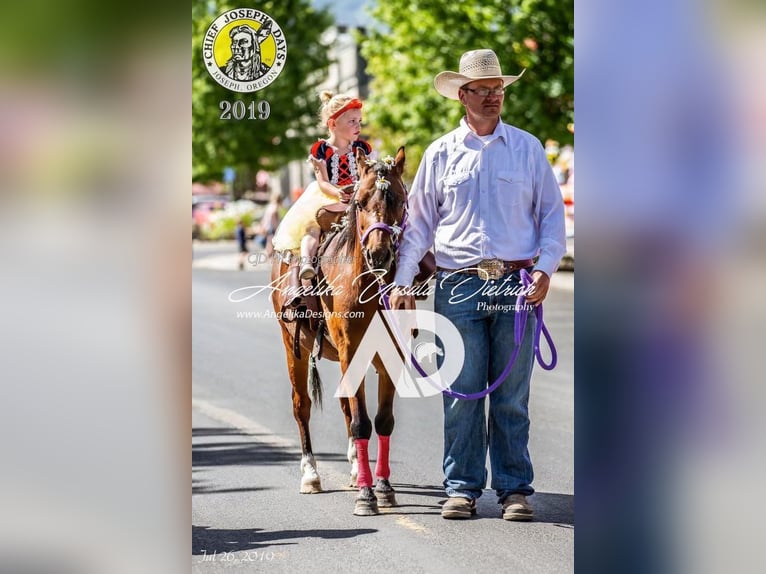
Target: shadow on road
[
  {"x": 419, "y": 490},
  {"x": 201, "y": 488},
  {"x": 206, "y": 540},
  {"x": 237, "y": 453},
  {"x": 553, "y": 508},
  {"x": 216, "y": 431},
  {"x": 242, "y": 453}
]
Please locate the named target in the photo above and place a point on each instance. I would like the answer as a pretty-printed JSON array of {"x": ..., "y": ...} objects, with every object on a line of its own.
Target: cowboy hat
[{"x": 474, "y": 65}]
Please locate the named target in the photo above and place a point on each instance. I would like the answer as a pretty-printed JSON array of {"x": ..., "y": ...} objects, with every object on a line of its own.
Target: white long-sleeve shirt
[{"x": 483, "y": 197}]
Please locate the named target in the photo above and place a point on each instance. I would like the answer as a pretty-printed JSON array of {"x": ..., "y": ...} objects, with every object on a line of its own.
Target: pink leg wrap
[
  {"x": 364, "y": 477},
  {"x": 381, "y": 468}
]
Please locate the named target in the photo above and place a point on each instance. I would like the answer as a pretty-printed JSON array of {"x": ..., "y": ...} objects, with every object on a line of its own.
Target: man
[
  {"x": 486, "y": 199},
  {"x": 245, "y": 63}
]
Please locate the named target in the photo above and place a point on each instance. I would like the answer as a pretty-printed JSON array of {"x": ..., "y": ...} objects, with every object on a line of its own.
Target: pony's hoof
[
  {"x": 352, "y": 480},
  {"x": 385, "y": 495},
  {"x": 366, "y": 503},
  {"x": 366, "y": 508},
  {"x": 386, "y": 499},
  {"x": 312, "y": 486}
]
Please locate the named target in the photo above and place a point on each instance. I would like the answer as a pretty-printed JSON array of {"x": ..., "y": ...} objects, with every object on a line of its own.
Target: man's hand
[
  {"x": 541, "y": 283},
  {"x": 401, "y": 298}
]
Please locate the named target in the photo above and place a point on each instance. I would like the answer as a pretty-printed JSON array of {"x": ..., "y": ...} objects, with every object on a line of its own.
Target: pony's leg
[
  {"x": 351, "y": 453},
  {"x": 361, "y": 429},
  {"x": 384, "y": 427},
  {"x": 298, "y": 371}
]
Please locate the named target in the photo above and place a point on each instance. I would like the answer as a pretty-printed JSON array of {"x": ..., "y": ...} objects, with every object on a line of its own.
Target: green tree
[
  {"x": 292, "y": 125},
  {"x": 419, "y": 38}
]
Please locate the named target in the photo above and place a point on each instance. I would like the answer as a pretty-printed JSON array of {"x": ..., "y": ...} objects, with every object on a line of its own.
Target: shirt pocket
[
  {"x": 513, "y": 188},
  {"x": 456, "y": 189}
]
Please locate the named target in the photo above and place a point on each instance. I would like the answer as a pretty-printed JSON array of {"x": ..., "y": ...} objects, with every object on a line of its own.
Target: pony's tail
[{"x": 315, "y": 383}]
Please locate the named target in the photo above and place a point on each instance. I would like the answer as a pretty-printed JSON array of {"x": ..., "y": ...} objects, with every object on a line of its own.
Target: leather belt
[{"x": 492, "y": 268}]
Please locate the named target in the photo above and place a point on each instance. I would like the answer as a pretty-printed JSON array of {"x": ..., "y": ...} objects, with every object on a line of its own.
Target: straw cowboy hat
[{"x": 474, "y": 65}]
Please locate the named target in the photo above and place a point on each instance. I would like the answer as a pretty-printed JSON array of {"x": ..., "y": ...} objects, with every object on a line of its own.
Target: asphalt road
[{"x": 247, "y": 513}]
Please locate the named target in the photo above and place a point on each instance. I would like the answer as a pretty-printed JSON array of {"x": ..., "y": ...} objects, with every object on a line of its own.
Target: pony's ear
[
  {"x": 399, "y": 159},
  {"x": 361, "y": 161}
]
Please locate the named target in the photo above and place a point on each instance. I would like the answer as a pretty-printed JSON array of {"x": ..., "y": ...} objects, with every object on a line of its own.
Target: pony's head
[{"x": 380, "y": 202}]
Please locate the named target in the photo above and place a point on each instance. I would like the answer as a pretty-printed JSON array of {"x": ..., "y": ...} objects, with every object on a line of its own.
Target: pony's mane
[{"x": 347, "y": 233}]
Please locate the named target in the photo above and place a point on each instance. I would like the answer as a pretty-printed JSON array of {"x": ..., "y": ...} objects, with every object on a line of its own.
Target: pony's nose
[{"x": 381, "y": 258}]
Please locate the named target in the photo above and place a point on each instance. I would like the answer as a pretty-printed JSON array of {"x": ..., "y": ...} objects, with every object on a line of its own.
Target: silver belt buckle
[{"x": 492, "y": 268}]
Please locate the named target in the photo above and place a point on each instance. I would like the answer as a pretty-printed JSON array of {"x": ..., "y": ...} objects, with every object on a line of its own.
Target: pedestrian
[
  {"x": 334, "y": 164},
  {"x": 269, "y": 223},
  {"x": 241, "y": 235},
  {"x": 485, "y": 198}
]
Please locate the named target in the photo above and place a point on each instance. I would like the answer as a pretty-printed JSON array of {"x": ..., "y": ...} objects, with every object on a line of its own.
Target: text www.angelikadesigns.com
[{"x": 298, "y": 314}]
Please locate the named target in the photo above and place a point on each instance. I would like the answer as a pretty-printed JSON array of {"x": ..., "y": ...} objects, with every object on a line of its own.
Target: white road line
[
  {"x": 331, "y": 480},
  {"x": 241, "y": 422}
]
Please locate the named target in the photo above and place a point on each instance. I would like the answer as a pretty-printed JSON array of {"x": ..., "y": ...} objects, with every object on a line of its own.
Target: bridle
[{"x": 381, "y": 168}]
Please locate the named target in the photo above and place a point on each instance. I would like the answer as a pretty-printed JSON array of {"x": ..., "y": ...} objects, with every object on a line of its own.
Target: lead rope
[{"x": 518, "y": 333}]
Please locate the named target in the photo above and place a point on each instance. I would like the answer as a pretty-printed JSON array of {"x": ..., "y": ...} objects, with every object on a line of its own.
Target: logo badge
[{"x": 244, "y": 50}]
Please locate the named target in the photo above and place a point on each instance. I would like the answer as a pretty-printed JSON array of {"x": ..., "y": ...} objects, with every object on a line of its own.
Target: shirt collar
[{"x": 464, "y": 131}]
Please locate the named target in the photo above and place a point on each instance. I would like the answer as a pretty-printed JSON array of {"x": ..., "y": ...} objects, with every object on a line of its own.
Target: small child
[{"x": 334, "y": 161}]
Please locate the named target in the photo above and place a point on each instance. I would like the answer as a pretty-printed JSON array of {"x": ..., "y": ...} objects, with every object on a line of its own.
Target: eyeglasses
[{"x": 484, "y": 92}]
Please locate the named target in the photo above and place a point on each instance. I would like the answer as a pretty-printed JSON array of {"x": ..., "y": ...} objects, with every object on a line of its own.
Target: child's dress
[{"x": 342, "y": 171}]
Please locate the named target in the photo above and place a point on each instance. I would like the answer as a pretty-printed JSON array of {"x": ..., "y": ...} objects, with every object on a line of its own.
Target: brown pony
[{"x": 365, "y": 241}]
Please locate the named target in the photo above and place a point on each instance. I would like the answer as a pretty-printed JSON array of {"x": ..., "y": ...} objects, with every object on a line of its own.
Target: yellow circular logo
[{"x": 244, "y": 50}]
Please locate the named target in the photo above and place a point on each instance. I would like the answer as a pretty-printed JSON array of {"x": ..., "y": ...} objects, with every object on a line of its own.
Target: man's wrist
[{"x": 404, "y": 274}]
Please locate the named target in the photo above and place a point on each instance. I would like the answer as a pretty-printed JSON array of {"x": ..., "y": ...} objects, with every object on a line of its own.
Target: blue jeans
[{"x": 488, "y": 338}]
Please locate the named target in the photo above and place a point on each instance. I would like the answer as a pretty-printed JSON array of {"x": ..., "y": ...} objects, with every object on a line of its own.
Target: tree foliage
[
  {"x": 292, "y": 125},
  {"x": 419, "y": 38}
]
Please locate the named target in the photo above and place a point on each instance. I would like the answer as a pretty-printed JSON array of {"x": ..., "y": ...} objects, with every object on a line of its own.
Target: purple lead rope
[{"x": 518, "y": 333}]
